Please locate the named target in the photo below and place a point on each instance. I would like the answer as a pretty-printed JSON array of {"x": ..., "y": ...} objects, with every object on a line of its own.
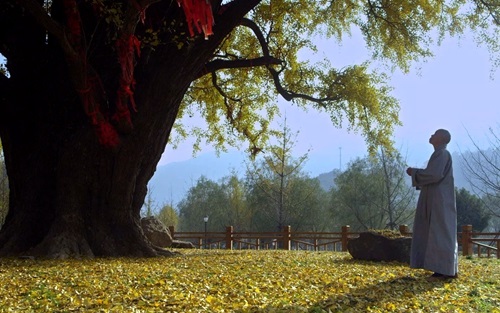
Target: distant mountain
[
  {"x": 172, "y": 181},
  {"x": 326, "y": 180}
]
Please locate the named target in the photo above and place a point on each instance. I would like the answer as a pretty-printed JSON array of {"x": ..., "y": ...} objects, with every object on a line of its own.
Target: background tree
[
  {"x": 373, "y": 194},
  {"x": 95, "y": 86},
  {"x": 238, "y": 214},
  {"x": 470, "y": 210},
  {"x": 303, "y": 209},
  {"x": 150, "y": 207},
  {"x": 308, "y": 203},
  {"x": 398, "y": 200},
  {"x": 223, "y": 202},
  {"x": 482, "y": 170},
  {"x": 355, "y": 195},
  {"x": 168, "y": 216},
  {"x": 279, "y": 191},
  {"x": 272, "y": 177},
  {"x": 206, "y": 198},
  {"x": 492, "y": 202}
]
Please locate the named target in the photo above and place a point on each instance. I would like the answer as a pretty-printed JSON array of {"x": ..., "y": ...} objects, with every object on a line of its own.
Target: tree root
[{"x": 165, "y": 252}]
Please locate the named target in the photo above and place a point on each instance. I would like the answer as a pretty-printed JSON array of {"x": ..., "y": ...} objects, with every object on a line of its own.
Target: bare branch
[{"x": 482, "y": 169}]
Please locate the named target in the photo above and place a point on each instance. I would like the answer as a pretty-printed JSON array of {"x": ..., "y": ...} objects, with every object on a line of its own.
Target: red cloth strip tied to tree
[
  {"x": 106, "y": 133},
  {"x": 126, "y": 47},
  {"x": 198, "y": 14},
  {"x": 73, "y": 21}
]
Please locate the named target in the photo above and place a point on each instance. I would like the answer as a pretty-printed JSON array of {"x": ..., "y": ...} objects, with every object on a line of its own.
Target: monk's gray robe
[{"x": 434, "y": 244}]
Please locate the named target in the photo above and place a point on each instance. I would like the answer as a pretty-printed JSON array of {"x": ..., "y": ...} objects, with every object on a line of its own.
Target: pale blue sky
[{"x": 456, "y": 89}]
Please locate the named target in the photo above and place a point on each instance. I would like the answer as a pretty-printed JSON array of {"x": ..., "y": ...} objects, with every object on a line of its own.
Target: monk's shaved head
[{"x": 445, "y": 135}]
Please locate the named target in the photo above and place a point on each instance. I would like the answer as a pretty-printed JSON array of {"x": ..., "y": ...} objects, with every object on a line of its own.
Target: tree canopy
[{"x": 355, "y": 96}]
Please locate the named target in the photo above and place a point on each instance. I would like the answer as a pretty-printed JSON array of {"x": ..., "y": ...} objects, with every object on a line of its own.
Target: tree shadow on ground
[{"x": 380, "y": 296}]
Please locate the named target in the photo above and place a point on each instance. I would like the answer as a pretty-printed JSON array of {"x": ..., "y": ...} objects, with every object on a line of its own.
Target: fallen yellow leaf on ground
[{"x": 243, "y": 281}]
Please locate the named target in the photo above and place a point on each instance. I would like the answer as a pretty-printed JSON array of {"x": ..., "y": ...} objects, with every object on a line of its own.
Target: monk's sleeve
[{"x": 435, "y": 170}]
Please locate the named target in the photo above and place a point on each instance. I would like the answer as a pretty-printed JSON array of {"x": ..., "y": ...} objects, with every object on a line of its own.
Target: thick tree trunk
[{"x": 75, "y": 197}]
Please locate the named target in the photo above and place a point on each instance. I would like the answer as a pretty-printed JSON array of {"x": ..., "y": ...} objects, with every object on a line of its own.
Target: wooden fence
[
  {"x": 480, "y": 244},
  {"x": 471, "y": 243}
]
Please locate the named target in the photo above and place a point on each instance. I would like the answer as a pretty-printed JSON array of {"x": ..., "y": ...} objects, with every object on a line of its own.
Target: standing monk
[{"x": 434, "y": 244}]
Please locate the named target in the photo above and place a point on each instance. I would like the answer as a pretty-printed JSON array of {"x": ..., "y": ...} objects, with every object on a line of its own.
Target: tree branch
[
  {"x": 493, "y": 9},
  {"x": 54, "y": 28},
  {"x": 288, "y": 95},
  {"x": 258, "y": 33},
  {"x": 219, "y": 89},
  {"x": 220, "y": 64},
  {"x": 266, "y": 60},
  {"x": 133, "y": 14}
]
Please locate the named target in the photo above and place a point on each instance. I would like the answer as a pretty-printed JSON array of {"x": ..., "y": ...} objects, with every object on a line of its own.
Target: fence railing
[
  {"x": 479, "y": 243},
  {"x": 471, "y": 243}
]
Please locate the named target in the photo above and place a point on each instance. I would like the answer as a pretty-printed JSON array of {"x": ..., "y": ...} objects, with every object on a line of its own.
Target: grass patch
[{"x": 243, "y": 281}]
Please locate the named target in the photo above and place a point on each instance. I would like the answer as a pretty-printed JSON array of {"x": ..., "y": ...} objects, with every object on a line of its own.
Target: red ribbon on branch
[{"x": 198, "y": 15}]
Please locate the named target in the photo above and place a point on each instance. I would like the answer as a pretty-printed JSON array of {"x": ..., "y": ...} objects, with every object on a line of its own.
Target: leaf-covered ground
[{"x": 243, "y": 281}]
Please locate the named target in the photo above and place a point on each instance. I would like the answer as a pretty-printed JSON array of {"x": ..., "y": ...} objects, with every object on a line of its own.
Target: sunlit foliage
[
  {"x": 168, "y": 216},
  {"x": 242, "y": 100}
]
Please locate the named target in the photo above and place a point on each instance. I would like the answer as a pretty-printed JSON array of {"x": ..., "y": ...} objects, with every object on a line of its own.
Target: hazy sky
[{"x": 456, "y": 90}]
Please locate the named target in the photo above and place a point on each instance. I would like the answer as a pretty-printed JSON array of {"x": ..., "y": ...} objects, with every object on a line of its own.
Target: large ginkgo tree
[{"x": 93, "y": 89}]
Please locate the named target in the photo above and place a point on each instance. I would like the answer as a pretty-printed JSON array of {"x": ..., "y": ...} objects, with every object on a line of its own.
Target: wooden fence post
[
  {"x": 498, "y": 249},
  {"x": 286, "y": 238},
  {"x": 171, "y": 229},
  {"x": 467, "y": 240},
  {"x": 404, "y": 230},
  {"x": 229, "y": 237},
  {"x": 345, "y": 237}
]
